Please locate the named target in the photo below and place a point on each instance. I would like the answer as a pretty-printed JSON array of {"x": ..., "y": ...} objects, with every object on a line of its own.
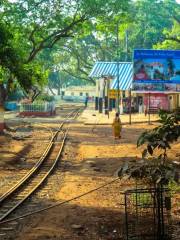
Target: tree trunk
[
  {"x": 35, "y": 94},
  {"x": 9, "y": 85},
  {"x": 59, "y": 91},
  {"x": 59, "y": 84},
  {"x": 2, "y": 94},
  {"x": 2, "y": 110},
  {"x": 51, "y": 91}
]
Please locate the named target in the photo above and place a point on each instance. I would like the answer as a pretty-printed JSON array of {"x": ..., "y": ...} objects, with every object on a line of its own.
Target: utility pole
[
  {"x": 118, "y": 98},
  {"x": 126, "y": 58},
  {"x": 126, "y": 45},
  {"x": 130, "y": 98},
  {"x": 149, "y": 108}
]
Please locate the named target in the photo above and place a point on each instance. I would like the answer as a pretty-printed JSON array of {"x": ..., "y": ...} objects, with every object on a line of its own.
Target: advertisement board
[
  {"x": 113, "y": 93},
  {"x": 156, "y": 71}
]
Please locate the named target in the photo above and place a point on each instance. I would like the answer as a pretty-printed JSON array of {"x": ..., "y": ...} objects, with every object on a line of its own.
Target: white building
[{"x": 80, "y": 91}]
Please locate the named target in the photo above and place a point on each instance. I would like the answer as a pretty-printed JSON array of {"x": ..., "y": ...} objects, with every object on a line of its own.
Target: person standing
[
  {"x": 117, "y": 126},
  {"x": 140, "y": 107}
]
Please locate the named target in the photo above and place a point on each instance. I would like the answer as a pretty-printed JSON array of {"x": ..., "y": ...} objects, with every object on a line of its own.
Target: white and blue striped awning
[{"x": 109, "y": 69}]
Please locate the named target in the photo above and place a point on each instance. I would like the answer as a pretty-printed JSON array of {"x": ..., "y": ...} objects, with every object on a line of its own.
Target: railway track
[{"x": 14, "y": 198}]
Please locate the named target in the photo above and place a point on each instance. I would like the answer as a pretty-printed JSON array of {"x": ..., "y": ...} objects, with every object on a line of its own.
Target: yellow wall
[{"x": 174, "y": 101}]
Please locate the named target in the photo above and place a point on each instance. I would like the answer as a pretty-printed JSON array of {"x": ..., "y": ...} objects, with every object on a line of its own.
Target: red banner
[{"x": 157, "y": 100}]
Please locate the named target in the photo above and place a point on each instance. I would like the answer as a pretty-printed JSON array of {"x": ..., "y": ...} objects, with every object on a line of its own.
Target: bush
[{"x": 46, "y": 98}]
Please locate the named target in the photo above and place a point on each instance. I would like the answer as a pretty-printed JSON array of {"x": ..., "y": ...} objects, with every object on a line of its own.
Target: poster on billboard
[{"x": 156, "y": 71}]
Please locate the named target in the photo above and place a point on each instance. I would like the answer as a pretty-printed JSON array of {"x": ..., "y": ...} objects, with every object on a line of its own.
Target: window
[
  {"x": 87, "y": 94},
  {"x": 80, "y": 94},
  {"x": 72, "y": 94}
]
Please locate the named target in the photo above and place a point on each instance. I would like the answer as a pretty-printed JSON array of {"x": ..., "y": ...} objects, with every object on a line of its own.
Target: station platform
[{"x": 90, "y": 117}]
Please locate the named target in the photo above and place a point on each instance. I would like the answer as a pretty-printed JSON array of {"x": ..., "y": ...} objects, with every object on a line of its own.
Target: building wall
[
  {"x": 80, "y": 91},
  {"x": 174, "y": 101}
]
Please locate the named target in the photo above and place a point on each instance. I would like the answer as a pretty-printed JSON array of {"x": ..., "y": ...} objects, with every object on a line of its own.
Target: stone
[
  {"x": 91, "y": 163},
  {"x": 76, "y": 226},
  {"x": 97, "y": 169}
]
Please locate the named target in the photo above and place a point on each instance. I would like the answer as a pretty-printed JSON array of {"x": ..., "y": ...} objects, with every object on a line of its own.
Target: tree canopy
[{"x": 45, "y": 36}]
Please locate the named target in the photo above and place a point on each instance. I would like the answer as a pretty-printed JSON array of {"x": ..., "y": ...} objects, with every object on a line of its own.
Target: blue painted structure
[
  {"x": 11, "y": 106},
  {"x": 109, "y": 69}
]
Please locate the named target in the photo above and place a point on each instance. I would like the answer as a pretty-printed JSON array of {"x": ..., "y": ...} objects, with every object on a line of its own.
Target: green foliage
[
  {"x": 13, "y": 66},
  {"x": 146, "y": 29},
  {"x": 172, "y": 38},
  {"x": 3, "y": 75},
  {"x": 152, "y": 171},
  {"x": 45, "y": 97},
  {"x": 173, "y": 186},
  {"x": 143, "y": 199},
  {"x": 157, "y": 169},
  {"x": 162, "y": 136},
  {"x": 36, "y": 27},
  {"x": 69, "y": 36}
]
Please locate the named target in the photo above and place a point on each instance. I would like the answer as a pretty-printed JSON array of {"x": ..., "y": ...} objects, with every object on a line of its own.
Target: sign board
[
  {"x": 113, "y": 93},
  {"x": 156, "y": 71},
  {"x": 157, "y": 100}
]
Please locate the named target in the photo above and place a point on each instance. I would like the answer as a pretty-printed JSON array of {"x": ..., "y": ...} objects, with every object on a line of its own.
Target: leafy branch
[
  {"x": 157, "y": 169},
  {"x": 50, "y": 40},
  {"x": 162, "y": 136}
]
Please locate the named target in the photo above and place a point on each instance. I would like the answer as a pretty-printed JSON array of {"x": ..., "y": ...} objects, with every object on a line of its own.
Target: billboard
[{"x": 156, "y": 71}]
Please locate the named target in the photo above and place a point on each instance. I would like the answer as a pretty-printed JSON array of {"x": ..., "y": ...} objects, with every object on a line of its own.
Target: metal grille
[
  {"x": 147, "y": 214},
  {"x": 34, "y": 107}
]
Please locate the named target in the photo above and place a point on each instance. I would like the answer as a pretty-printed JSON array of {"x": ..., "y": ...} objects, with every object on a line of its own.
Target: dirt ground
[{"x": 90, "y": 159}]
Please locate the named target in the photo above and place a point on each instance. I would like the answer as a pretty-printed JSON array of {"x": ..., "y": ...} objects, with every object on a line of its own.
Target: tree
[
  {"x": 38, "y": 25},
  {"x": 141, "y": 25},
  {"x": 12, "y": 63},
  {"x": 150, "y": 18},
  {"x": 171, "y": 37},
  {"x": 78, "y": 33},
  {"x": 56, "y": 80},
  {"x": 48, "y": 22}
]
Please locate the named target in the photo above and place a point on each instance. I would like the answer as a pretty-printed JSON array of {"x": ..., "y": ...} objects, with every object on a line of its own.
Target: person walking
[
  {"x": 117, "y": 126},
  {"x": 86, "y": 101}
]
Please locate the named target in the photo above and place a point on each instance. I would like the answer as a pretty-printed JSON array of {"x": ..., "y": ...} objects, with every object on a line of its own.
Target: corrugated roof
[{"x": 101, "y": 69}]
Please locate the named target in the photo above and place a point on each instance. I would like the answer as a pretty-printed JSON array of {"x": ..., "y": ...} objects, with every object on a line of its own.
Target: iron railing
[
  {"x": 147, "y": 214},
  {"x": 37, "y": 107}
]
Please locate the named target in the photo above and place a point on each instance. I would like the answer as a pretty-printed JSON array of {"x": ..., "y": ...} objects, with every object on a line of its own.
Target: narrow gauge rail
[{"x": 27, "y": 185}]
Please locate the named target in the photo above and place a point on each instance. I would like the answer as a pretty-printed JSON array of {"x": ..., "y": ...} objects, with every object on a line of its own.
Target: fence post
[
  {"x": 126, "y": 215},
  {"x": 149, "y": 107},
  {"x": 2, "y": 124}
]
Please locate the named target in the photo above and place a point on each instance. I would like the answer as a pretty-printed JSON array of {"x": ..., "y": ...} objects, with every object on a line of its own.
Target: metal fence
[
  {"x": 37, "y": 107},
  {"x": 147, "y": 214},
  {"x": 1, "y": 116}
]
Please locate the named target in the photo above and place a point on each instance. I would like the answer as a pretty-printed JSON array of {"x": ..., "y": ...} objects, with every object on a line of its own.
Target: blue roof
[{"x": 102, "y": 69}]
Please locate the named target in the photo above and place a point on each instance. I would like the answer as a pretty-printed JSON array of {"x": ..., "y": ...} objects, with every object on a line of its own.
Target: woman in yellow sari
[{"x": 117, "y": 126}]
